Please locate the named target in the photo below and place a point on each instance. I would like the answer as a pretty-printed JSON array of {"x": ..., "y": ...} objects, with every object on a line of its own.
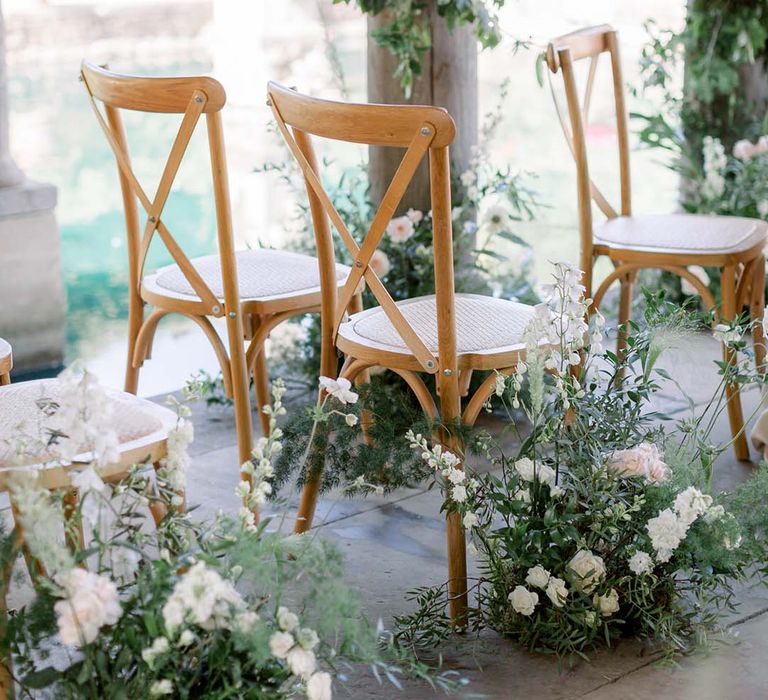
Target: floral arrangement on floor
[
  {"x": 228, "y": 609},
  {"x": 604, "y": 524}
]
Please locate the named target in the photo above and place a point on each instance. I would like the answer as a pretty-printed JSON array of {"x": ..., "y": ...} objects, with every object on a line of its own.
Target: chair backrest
[
  {"x": 421, "y": 131},
  {"x": 561, "y": 55},
  {"x": 192, "y": 97}
]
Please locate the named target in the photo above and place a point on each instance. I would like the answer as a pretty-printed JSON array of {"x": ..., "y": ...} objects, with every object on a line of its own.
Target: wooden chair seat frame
[
  {"x": 424, "y": 132},
  {"x": 742, "y": 273},
  {"x": 6, "y": 362}
]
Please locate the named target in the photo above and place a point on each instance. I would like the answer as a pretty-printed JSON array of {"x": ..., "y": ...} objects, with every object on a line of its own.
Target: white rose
[
  {"x": 280, "y": 643},
  {"x": 607, "y": 604},
  {"x": 307, "y": 638},
  {"x": 588, "y": 570},
  {"x": 301, "y": 661},
  {"x": 523, "y": 601},
  {"x": 92, "y": 602},
  {"x": 641, "y": 563},
  {"x": 164, "y": 687},
  {"x": 557, "y": 591},
  {"x": 470, "y": 520},
  {"x": 319, "y": 686},
  {"x": 287, "y": 620},
  {"x": 538, "y": 577}
]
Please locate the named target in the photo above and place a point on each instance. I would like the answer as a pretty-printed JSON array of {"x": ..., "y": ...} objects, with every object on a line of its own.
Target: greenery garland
[{"x": 408, "y": 35}]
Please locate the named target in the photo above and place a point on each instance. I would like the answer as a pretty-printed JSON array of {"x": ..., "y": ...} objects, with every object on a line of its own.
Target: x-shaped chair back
[
  {"x": 421, "y": 131},
  {"x": 192, "y": 97},
  {"x": 561, "y": 55}
]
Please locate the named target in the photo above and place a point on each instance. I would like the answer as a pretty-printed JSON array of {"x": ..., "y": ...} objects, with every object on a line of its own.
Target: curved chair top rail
[
  {"x": 145, "y": 94},
  {"x": 583, "y": 43},
  {"x": 372, "y": 124}
]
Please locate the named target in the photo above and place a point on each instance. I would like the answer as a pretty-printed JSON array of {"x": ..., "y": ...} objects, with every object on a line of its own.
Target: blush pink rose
[
  {"x": 379, "y": 263},
  {"x": 743, "y": 149},
  {"x": 642, "y": 460},
  {"x": 400, "y": 229}
]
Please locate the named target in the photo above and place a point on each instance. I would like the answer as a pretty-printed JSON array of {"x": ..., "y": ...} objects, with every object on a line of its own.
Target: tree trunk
[{"x": 448, "y": 79}]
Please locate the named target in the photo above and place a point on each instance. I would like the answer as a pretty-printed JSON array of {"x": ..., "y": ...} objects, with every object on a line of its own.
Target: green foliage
[{"x": 408, "y": 35}]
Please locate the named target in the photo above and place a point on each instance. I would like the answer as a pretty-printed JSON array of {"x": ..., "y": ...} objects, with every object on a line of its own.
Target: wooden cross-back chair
[
  {"x": 445, "y": 335},
  {"x": 671, "y": 242},
  {"x": 254, "y": 290},
  {"x": 142, "y": 430}
]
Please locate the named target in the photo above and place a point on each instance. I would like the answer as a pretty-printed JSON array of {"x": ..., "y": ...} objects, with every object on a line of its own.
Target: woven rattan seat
[
  {"x": 136, "y": 421},
  {"x": 682, "y": 233},
  {"x": 485, "y": 326},
  {"x": 262, "y": 274},
  {"x": 6, "y": 361}
]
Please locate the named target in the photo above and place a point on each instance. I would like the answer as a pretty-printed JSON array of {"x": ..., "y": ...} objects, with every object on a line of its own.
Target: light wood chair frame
[
  {"x": 6, "y": 362},
  {"x": 741, "y": 274},
  {"x": 149, "y": 449},
  {"x": 423, "y": 132}
]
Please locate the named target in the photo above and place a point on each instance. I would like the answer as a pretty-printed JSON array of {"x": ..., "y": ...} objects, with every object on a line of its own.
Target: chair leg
[
  {"x": 756, "y": 309},
  {"x": 261, "y": 388},
  {"x": 135, "y": 320},
  {"x": 364, "y": 377},
  {"x": 5, "y": 379},
  {"x": 625, "y": 314},
  {"x": 732, "y": 393},
  {"x": 7, "y": 689},
  {"x": 450, "y": 409}
]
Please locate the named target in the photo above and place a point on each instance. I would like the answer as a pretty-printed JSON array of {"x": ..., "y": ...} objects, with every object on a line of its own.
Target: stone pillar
[{"x": 31, "y": 291}]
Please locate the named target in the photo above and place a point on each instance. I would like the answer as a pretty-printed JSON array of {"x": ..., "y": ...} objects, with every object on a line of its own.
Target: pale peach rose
[
  {"x": 743, "y": 149},
  {"x": 91, "y": 603},
  {"x": 379, "y": 263},
  {"x": 400, "y": 229},
  {"x": 642, "y": 460},
  {"x": 415, "y": 215},
  {"x": 761, "y": 146}
]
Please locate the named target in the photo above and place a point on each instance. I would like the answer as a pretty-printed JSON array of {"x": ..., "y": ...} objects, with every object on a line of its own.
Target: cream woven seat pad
[
  {"x": 681, "y": 233},
  {"x": 483, "y": 324},
  {"x": 260, "y": 273},
  {"x": 5, "y": 349},
  {"x": 133, "y": 418}
]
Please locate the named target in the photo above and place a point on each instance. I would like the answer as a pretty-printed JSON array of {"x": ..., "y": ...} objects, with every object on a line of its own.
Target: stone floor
[{"x": 396, "y": 543}]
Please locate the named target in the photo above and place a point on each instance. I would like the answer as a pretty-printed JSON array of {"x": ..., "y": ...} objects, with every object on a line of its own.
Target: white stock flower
[
  {"x": 91, "y": 603},
  {"x": 715, "y": 162},
  {"x": 587, "y": 570},
  {"x": 713, "y": 514},
  {"x": 456, "y": 476},
  {"x": 186, "y": 638},
  {"x": 91, "y": 488},
  {"x": 523, "y": 601},
  {"x": 641, "y": 563},
  {"x": 538, "y": 577},
  {"x": 287, "y": 620},
  {"x": 557, "y": 591},
  {"x": 607, "y": 604},
  {"x": 400, "y": 229},
  {"x": 666, "y": 531},
  {"x": 280, "y": 643},
  {"x": 459, "y": 493},
  {"x": 302, "y": 662},
  {"x": 470, "y": 520},
  {"x": 690, "y": 504},
  {"x": 158, "y": 688},
  {"x": 159, "y": 646},
  {"x": 319, "y": 686},
  {"x": 340, "y": 389}
]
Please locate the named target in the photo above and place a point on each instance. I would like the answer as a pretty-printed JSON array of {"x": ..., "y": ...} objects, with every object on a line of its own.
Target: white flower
[
  {"x": 607, "y": 604},
  {"x": 415, "y": 215},
  {"x": 280, "y": 643},
  {"x": 470, "y": 520},
  {"x": 319, "y": 686},
  {"x": 456, "y": 476},
  {"x": 643, "y": 460},
  {"x": 351, "y": 420},
  {"x": 699, "y": 273},
  {"x": 92, "y": 490},
  {"x": 588, "y": 570},
  {"x": 641, "y": 563},
  {"x": 340, "y": 389},
  {"x": 164, "y": 687},
  {"x": 666, "y": 531},
  {"x": 538, "y": 577},
  {"x": 523, "y": 495},
  {"x": 468, "y": 178},
  {"x": 590, "y": 617},
  {"x": 91, "y": 603},
  {"x": 287, "y": 620},
  {"x": 379, "y": 263},
  {"x": 400, "y": 229},
  {"x": 556, "y": 491},
  {"x": 731, "y": 544},
  {"x": 159, "y": 646},
  {"x": 523, "y": 601},
  {"x": 307, "y": 638},
  {"x": 243, "y": 489},
  {"x": 726, "y": 334},
  {"x": 713, "y": 514},
  {"x": 529, "y": 470},
  {"x": 459, "y": 493},
  {"x": 186, "y": 638},
  {"x": 557, "y": 591},
  {"x": 690, "y": 504},
  {"x": 301, "y": 662},
  {"x": 245, "y": 620},
  {"x": 495, "y": 218},
  {"x": 765, "y": 322}
]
